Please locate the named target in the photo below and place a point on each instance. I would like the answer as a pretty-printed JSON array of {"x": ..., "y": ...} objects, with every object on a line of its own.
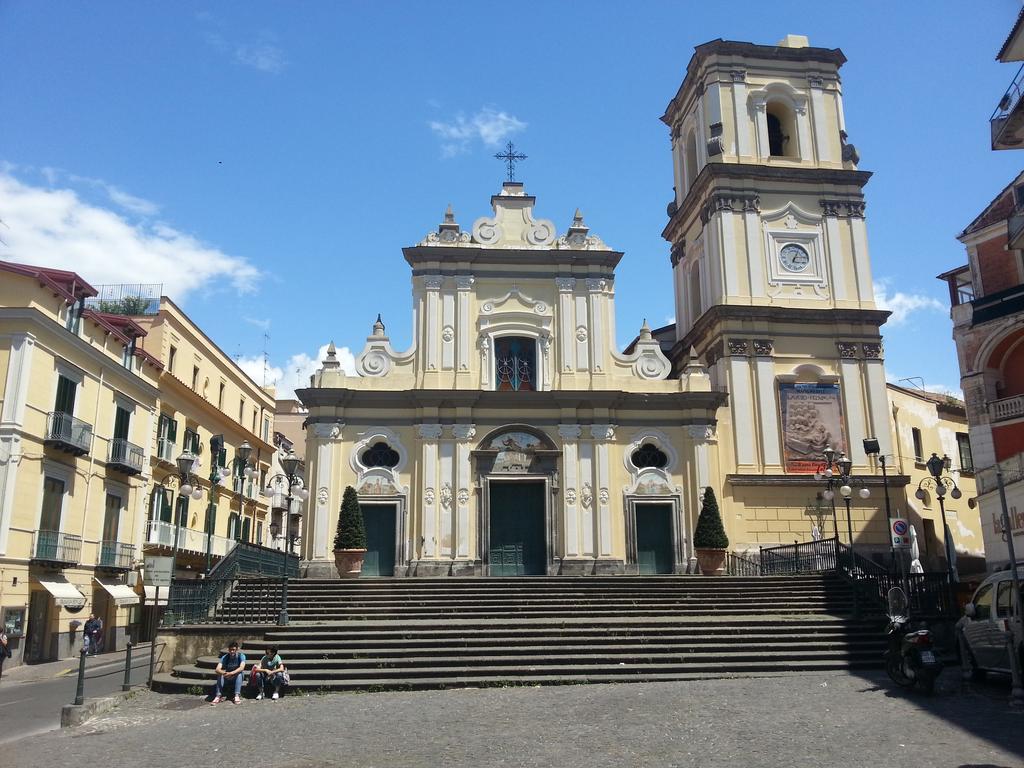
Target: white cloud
[
  {"x": 901, "y": 304},
  {"x": 117, "y": 196},
  {"x": 489, "y": 126},
  {"x": 261, "y": 323},
  {"x": 295, "y": 373},
  {"x": 262, "y": 56},
  {"x": 57, "y": 228}
]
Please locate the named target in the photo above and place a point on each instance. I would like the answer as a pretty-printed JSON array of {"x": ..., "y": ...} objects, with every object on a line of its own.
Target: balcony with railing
[
  {"x": 162, "y": 534},
  {"x": 1007, "y": 122},
  {"x": 124, "y": 456},
  {"x": 166, "y": 449},
  {"x": 56, "y": 548},
  {"x": 1007, "y": 408},
  {"x": 67, "y": 433},
  {"x": 996, "y": 306},
  {"x": 116, "y": 556}
]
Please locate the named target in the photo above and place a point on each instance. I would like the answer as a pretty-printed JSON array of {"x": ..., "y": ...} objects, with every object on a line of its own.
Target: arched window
[
  {"x": 781, "y": 130},
  {"x": 691, "y": 159},
  {"x": 379, "y": 455},
  {"x": 515, "y": 364},
  {"x": 649, "y": 455}
]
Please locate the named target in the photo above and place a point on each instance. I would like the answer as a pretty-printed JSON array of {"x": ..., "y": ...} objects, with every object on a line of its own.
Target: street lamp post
[
  {"x": 290, "y": 464},
  {"x": 941, "y": 481},
  {"x": 216, "y": 446},
  {"x": 872, "y": 448},
  {"x": 1017, "y": 685},
  {"x": 824, "y": 472},
  {"x": 184, "y": 463}
]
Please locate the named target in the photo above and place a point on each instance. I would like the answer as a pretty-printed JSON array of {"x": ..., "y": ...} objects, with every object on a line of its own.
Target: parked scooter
[{"x": 910, "y": 659}]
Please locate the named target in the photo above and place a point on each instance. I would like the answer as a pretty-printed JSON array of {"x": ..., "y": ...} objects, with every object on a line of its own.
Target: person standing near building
[
  {"x": 5, "y": 651},
  {"x": 88, "y": 633}
]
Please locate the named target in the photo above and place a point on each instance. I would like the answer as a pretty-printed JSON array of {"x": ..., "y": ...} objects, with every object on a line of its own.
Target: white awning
[
  {"x": 64, "y": 592},
  {"x": 122, "y": 593},
  {"x": 151, "y": 595}
]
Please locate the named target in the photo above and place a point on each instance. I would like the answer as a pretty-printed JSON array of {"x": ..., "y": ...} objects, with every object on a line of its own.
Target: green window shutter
[
  {"x": 65, "y": 395},
  {"x": 172, "y": 430},
  {"x": 122, "y": 419}
]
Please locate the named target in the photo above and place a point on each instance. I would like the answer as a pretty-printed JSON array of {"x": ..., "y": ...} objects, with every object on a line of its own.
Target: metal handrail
[
  {"x": 1011, "y": 97},
  {"x": 64, "y": 428},
  {"x": 125, "y": 454},
  {"x": 800, "y": 557}
]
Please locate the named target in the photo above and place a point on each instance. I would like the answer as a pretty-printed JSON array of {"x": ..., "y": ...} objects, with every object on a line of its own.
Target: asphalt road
[
  {"x": 804, "y": 721},
  {"x": 33, "y": 707}
]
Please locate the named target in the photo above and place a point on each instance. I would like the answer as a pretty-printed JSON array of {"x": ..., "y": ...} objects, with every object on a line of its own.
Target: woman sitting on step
[{"x": 270, "y": 669}]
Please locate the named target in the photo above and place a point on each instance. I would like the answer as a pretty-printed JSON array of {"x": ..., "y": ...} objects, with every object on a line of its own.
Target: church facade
[{"x": 514, "y": 438}]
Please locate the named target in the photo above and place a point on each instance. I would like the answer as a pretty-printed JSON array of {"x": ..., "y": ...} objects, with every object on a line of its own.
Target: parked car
[{"x": 987, "y": 618}]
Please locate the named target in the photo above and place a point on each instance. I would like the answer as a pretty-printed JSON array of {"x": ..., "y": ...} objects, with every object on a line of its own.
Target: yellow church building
[{"x": 514, "y": 438}]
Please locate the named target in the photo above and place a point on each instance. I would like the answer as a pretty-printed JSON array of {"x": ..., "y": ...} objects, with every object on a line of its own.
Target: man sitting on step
[
  {"x": 230, "y": 669},
  {"x": 270, "y": 669}
]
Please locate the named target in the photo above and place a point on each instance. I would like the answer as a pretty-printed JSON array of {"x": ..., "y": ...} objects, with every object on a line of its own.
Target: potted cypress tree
[
  {"x": 709, "y": 539},
  {"x": 350, "y": 539}
]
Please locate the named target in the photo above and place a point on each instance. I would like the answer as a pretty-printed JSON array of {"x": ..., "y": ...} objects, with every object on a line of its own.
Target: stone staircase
[{"x": 438, "y": 633}]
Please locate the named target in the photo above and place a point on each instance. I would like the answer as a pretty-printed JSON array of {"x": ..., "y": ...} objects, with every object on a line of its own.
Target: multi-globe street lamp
[
  {"x": 837, "y": 472},
  {"x": 290, "y": 464},
  {"x": 941, "y": 481},
  {"x": 825, "y": 472}
]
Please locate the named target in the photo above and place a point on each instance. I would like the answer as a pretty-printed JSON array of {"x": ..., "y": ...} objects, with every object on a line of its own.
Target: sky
[{"x": 266, "y": 161}]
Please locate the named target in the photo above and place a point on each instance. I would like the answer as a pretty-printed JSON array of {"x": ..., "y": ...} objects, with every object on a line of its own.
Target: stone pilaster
[{"x": 429, "y": 435}]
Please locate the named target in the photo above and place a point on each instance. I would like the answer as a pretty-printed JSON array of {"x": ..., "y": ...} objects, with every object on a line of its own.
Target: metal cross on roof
[{"x": 510, "y": 156}]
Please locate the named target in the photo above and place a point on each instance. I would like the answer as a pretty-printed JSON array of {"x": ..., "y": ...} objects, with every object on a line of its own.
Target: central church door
[
  {"x": 654, "y": 538},
  {"x": 517, "y": 545}
]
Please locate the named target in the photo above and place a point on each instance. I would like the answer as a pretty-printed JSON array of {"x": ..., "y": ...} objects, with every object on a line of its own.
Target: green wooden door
[
  {"x": 379, "y": 520},
  {"x": 654, "y": 538},
  {"x": 517, "y": 544}
]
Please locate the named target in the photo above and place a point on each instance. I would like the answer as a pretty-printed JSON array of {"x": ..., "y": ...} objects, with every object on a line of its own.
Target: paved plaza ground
[{"x": 835, "y": 719}]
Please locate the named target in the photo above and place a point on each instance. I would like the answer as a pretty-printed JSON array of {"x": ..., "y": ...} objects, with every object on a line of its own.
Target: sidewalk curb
[{"x": 72, "y": 715}]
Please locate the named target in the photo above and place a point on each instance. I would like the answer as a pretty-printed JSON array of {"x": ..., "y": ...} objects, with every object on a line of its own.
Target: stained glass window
[{"x": 515, "y": 363}]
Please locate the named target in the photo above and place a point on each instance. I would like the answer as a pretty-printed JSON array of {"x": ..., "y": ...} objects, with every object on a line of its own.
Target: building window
[
  {"x": 649, "y": 455},
  {"x": 691, "y": 159},
  {"x": 379, "y": 455},
  {"x": 515, "y": 363},
  {"x": 66, "y": 390},
  {"x": 241, "y": 411},
  {"x": 781, "y": 130},
  {"x": 918, "y": 448},
  {"x": 111, "y": 517},
  {"x": 220, "y": 396},
  {"x": 53, "y": 503},
  {"x": 160, "y": 509},
  {"x": 963, "y": 443},
  {"x": 266, "y": 429},
  {"x": 170, "y": 358},
  {"x": 255, "y": 415},
  {"x": 191, "y": 442},
  {"x": 195, "y": 378},
  {"x": 234, "y": 529},
  {"x": 74, "y": 316}
]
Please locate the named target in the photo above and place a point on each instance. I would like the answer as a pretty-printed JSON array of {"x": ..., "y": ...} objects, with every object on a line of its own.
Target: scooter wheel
[{"x": 894, "y": 668}]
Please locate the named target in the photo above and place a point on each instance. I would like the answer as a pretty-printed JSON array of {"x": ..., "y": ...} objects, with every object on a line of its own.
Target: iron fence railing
[
  {"x": 116, "y": 554},
  {"x": 127, "y": 298},
  {"x": 68, "y": 432},
  {"x": 125, "y": 455},
  {"x": 928, "y": 594},
  {"x": 57, "y": 547},
  {"x": 161, "y": 533},
  {"x": 799, "y": 557},
  {"x": 737, "y": 565}
]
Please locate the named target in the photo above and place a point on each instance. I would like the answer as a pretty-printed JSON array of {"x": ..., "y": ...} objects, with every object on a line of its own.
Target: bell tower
[{"x": 770, "y": 260}]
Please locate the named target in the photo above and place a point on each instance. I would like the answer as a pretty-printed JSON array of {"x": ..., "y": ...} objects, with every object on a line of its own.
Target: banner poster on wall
[{"x": 812, "y": 420}]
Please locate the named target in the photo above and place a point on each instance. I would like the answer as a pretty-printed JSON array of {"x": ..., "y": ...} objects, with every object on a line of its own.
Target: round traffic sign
[{"x": 899, "y": 527}]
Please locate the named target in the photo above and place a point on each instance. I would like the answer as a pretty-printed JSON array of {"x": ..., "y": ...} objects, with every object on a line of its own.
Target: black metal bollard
[
  {"x": 152, "y": 659},
  {"x": 127, "y": 684},
  {"x": 80, "y": 690}
]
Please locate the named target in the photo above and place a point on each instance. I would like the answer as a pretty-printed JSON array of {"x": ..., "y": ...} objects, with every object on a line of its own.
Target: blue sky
[{"x": 267, "y": 161}]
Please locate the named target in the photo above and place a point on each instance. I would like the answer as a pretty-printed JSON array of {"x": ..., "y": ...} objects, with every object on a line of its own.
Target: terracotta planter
[
  {"x": 711, "y": 561},
  {"x": 349, "y": 562}
]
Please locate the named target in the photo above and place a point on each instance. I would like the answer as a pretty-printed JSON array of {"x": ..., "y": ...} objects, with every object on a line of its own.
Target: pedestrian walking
[
  {"x": 229, "y": 671},
  {"x": 269, "y": 669},
  {"x": 88, "y": 635},
  {"x": 5, "y": 651}
]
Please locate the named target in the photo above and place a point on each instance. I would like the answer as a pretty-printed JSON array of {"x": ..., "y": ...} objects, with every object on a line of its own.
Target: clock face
[{"x": 794, "y": 257}]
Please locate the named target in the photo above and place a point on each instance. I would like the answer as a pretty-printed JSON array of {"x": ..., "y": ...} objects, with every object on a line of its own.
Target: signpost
[
  {"x": 157, "y": 572},
  {"x": 899, "y": 529}
]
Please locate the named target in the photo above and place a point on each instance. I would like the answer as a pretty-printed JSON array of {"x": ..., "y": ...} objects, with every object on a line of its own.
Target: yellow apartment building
[
  {"x": 78, "y": 401},
  {"x": 208, "y": 408}
]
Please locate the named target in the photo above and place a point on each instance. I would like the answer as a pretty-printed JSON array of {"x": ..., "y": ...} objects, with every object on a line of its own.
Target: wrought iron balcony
[
  {"x": 116, "y": 555},
  {"x": 1007, "y": 122},
  {"x": 165, "y": 449},
  {"x": 57, "y": 548},
  {"x": 1007, "y": 408},
  {"x": 996, "y": 306},
  {"x": 124, "y": 456},
  {"x": 67, "y": 433}
]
